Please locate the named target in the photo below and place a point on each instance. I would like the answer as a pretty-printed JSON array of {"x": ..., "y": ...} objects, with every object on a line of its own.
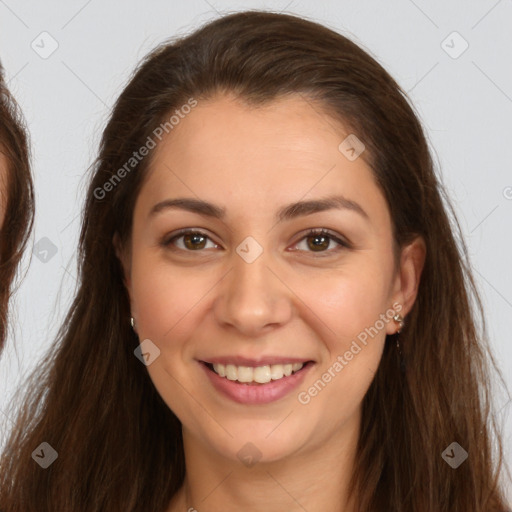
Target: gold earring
[{"x": 399, "y": 318}]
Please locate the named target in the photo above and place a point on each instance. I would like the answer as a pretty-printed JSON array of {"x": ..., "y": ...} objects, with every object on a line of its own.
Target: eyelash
[{"x": 168, "y": 242}]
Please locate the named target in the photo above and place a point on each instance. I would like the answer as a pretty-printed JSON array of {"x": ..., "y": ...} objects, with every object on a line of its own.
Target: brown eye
[
  {"x": 192, "y": 240},
  {"x": 319, "y": 240}
]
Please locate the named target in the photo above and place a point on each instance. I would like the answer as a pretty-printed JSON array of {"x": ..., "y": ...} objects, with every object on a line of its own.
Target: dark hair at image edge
[
  {"x": 17, "y": 198},
  {"x": 119, "y": 445}
]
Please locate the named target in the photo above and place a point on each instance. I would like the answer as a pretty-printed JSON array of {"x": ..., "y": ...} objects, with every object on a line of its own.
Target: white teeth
[
  {"x": 276, "y": 371},
  {"x": 231, "y": 372},
  {"x": 262, "y": 374},
  {"x": 259, "y": 374},
  {"x": 245, "y": 374},
  {"x": 221, "y": 370}
]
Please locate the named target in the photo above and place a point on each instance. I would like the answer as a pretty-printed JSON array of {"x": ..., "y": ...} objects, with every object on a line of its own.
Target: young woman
[
  {"x": 16, "y": 197},
  {"x": 273, "y": 312}
]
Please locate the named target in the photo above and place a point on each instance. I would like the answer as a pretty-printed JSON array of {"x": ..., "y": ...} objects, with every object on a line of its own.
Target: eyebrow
[{"x": 288, "y": 212}]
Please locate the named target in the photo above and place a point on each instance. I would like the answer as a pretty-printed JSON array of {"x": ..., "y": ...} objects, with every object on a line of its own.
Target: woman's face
[{"x": 254, "y": 290}]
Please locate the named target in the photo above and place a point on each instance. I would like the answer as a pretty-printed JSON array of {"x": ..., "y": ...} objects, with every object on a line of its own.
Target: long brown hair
[
  {"x": 17, "y": 199},
  {"x": 119, "y": 445}
]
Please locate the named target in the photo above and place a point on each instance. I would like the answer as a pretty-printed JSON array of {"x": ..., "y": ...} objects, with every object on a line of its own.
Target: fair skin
[{"x": 198, "y": 303}]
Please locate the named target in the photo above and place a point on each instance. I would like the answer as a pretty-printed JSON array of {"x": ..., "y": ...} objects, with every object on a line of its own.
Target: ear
[
  {"x": 124, "y": 258},
  {"x": 407, "y": 281}
]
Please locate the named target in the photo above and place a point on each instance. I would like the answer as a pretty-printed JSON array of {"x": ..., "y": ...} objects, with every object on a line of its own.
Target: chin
[{"x": 260, "y": 444}]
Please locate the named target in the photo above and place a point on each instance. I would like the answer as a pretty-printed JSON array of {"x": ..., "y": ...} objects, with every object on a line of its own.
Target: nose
[{"x": 253, "y": 297}]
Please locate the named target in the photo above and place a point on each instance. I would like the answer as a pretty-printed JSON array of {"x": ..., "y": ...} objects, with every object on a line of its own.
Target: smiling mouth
[{"x": 257, "y": 375}]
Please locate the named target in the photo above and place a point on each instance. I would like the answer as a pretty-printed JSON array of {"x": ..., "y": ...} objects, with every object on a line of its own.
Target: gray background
[{"x": 465, "y": 104}]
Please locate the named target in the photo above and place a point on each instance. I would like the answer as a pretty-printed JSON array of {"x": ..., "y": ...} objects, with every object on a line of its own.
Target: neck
[{"x": 313, "y": 479}]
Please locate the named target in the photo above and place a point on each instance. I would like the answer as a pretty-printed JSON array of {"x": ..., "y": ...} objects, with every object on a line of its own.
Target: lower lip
[{"x": 257, "y": 393}]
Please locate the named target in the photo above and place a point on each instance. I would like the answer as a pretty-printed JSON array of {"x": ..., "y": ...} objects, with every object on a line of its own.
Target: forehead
[
  {"x": 228, "y": 129},
  {"x": 252, "y": 157}
]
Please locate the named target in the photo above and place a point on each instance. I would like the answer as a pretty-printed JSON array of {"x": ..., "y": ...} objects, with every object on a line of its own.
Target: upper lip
[{"x": 262, "y": 361}]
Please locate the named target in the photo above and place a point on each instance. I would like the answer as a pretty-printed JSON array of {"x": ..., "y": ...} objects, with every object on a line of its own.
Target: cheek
[
  {"x": 166, "y": 299},
  {"x": 349, "y": 302},
  {"x": 351, "y": 308},
  {"x": 335, "y": 310}
]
